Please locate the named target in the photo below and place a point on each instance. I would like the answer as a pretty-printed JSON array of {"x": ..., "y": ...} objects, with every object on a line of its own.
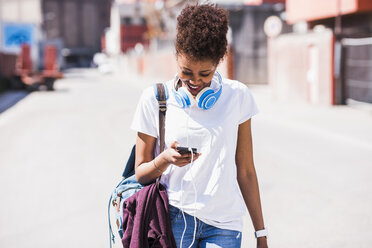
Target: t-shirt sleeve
[
  {"x": 146, "y": 117},
  {"x": 248, "y": 107}
]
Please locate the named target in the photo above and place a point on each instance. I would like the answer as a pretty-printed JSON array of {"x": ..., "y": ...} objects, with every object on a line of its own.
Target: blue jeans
[{"x": 206, "y": 236}]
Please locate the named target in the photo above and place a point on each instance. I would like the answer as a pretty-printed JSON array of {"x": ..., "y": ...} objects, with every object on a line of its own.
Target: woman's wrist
[
  {"x": 156, "y": 167},
  {"x": 262, "y": 242},
  {"x": 160, "y": 162}
]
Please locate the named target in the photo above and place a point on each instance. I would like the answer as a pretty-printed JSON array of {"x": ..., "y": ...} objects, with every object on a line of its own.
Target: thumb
[{"x": 174, "y": 144}]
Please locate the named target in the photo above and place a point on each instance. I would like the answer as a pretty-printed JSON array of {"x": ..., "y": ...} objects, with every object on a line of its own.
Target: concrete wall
[
  {"x": 301, "y": 67},
  {"x": 249, "y": 41}
]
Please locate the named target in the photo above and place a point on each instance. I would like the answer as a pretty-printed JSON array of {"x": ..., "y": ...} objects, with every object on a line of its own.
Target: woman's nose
[{"x": 195, "y": 80}]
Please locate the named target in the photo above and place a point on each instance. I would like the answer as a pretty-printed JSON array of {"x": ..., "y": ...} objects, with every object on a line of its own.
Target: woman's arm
[
  {"x": 147, "y": 167},
  {"x": 247, "y": 178}
]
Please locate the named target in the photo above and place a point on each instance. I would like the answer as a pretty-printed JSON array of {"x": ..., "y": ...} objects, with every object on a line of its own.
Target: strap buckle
[{"x": 162, "y": 105}]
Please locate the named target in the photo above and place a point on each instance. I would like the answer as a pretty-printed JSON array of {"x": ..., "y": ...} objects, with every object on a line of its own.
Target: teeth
[{"x": 193, "y": 87}]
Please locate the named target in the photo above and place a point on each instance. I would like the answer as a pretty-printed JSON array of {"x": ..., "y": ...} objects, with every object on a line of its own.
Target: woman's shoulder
[
  {"x": 234, "y": 85},
  {"x": 243, "y": 98},
  {"x": 149, "y": 93}
]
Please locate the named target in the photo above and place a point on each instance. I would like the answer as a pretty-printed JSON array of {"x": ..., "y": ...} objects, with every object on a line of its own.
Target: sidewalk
[
  {"x": 313, "y": 164},
  {"x": 350, "y": 124},
  {"x": 68, "y": 149},
  {"x": 314, "y": 167}
]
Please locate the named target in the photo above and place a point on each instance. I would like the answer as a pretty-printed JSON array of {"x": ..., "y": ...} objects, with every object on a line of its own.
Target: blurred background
[{"x": 72, "y": 71}]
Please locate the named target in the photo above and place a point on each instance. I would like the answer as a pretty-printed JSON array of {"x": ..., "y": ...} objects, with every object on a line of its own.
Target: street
[{"x": 63, "y": 152}]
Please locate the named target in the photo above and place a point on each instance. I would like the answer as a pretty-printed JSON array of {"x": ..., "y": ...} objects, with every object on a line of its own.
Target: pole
[
  {"x": 339, "y": 91},
  {"x": 338, "y": 28},
  {"x": 19, "y": 17}
]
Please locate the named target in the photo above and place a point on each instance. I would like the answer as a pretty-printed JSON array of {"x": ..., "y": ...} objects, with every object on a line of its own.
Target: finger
[
  {"x": 185, "y": 155},
  {"x": 185, "y": 161},
  {"x": 195, "y": 155},
  {"x": 189, "y": 156},
  {"x": 182, "y": 164}
]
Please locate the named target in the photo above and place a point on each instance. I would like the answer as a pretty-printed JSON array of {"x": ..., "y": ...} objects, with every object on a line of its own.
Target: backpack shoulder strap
[{"x": 161, "y": 93}]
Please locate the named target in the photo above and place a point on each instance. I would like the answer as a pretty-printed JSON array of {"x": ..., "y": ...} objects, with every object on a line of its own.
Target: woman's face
[{"x": 195, "y": 75}]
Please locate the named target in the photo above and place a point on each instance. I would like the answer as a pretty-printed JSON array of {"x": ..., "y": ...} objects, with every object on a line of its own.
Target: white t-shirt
[{"x": 214, "y": 133}]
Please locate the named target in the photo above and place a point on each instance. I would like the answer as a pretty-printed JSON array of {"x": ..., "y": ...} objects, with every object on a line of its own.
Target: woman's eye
[
  {"x": 204, "y": 75},
  {"x": 187, "y": 73}
]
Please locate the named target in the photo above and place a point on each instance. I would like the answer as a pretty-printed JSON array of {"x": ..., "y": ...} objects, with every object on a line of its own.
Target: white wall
[
  {"x": 21, "y": 11},
  {"x": 113, "y": 34}
]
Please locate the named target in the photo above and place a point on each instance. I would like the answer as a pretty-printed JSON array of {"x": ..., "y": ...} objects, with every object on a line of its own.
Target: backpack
[{"x": 128, "y": 186}]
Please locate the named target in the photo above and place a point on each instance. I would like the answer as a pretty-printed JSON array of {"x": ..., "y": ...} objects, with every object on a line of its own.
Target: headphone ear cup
[
  {"x": 179, "y": 99},
  {"x": 205, "y": 97},
  {"x": 209, "y": 101},
  {"x": 183, "y": 97}
]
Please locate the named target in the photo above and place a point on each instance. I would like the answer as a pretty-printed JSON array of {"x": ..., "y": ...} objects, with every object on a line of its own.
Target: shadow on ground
[{"x": 10, "y": 98}]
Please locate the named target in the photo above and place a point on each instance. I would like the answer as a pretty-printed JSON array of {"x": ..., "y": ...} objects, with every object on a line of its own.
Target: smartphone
[{"x": 184, "y": 150}]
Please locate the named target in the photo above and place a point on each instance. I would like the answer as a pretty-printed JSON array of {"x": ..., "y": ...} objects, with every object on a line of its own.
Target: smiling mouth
[{"x": 194, "y": 89}]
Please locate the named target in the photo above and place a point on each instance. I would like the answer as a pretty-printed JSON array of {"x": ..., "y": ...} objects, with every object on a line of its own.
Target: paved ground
[
  {"x": 315, "y": 169},
  {"x": 62, "y": 152}
]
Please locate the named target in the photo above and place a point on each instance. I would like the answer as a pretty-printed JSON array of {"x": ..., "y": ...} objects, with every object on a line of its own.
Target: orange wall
[
  {"x": 365, "y": 5},
  {"x": 310, "y": 10}
]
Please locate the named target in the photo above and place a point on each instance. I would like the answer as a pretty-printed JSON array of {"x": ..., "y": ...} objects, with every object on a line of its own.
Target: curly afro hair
[{"x": 201, "y": 32}]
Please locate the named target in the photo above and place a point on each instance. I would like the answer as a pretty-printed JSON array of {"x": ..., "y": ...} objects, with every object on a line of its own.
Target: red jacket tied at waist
[{"x": 146, "y": 220}]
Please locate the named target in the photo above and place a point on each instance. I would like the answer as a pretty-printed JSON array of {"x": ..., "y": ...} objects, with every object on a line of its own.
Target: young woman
[{"x": 209, "y": 191}]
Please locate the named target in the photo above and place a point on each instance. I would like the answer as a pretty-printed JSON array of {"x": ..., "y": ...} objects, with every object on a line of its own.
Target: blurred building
[
  {"x": 150, "y": 25},
  {"x": 78, "y": 25},
  {"x": 133, "y": 28},
  {"x": 248, "y": 55},
  {"x": 328, "y": 58},
  {"x": 143, "y": 23},
  {"x": 74, "y": 26},
  {"x": 20, "y": 22}
]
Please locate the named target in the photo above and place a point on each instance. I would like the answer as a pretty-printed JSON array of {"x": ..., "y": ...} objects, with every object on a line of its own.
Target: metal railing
[{"x": 356, "y": 71}]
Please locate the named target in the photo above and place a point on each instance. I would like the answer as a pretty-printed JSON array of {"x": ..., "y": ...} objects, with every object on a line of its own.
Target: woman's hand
[{"x": 172, "y": 156}]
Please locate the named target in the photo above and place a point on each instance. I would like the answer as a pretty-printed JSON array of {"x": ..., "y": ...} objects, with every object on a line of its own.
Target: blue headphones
[{"x": 205, "y": 99}]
